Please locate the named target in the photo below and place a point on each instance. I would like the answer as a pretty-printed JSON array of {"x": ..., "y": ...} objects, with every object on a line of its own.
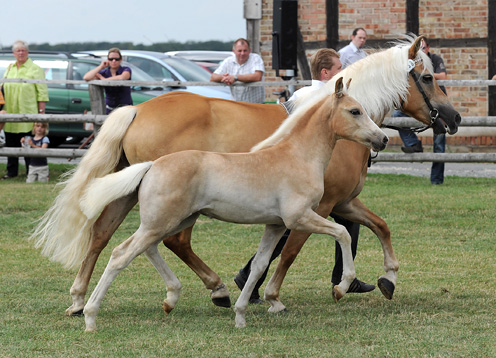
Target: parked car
[
  {"x": 209, "y": 60},
  {"x": 74, "y": 99},
  {"x": 164, "y": 67}
]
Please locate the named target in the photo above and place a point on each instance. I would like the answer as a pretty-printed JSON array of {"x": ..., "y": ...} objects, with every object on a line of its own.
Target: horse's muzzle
[
  {"x": 448, "y": 121},
  {"x": 379, "y": 145}
]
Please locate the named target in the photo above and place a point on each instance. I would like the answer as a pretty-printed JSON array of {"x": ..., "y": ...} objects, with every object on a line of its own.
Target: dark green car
[{"x": 75, "y": 99}]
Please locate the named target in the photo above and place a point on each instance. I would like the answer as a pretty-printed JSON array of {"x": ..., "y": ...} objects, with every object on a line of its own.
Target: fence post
[{"x": 97, "y": 101}]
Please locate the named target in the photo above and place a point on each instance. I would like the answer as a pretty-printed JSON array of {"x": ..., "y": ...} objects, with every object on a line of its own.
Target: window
[
  {"x": 152, "y": 68},
  {"x": 54, "y": 70},
  {"x": 79, "y": 69}
]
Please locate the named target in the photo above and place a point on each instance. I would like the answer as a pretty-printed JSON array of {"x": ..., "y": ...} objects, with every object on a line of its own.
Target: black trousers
[
  {"x": 352, "y": 228},
  {"x": 14, "y": 140}
]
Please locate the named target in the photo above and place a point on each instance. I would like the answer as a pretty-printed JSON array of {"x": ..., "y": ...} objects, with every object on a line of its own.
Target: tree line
[{"x": 159, "y": 47}]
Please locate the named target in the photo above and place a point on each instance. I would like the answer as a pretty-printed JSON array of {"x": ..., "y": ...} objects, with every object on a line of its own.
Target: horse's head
[
  {"x": 426, "y": 101},
  {"x": 350, "y": 121}
]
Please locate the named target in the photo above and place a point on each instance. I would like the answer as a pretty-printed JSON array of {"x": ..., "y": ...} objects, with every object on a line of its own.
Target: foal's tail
[
  {"x": 63, "y": 232},
  {"x": 102, "y": 191}
]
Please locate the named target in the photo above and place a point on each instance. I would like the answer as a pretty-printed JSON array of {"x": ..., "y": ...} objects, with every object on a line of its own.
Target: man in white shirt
[
  {"x": 353, "y": 52},
  {"x": 324, "y": 64},
  {"x": 245, "y": 67}
]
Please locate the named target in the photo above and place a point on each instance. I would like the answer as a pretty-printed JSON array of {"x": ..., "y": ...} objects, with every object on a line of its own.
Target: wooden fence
[{"x": 98, "y": 108}]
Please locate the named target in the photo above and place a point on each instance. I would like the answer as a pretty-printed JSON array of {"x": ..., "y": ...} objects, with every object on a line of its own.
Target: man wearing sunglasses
[{"x": 111, "y": 69}]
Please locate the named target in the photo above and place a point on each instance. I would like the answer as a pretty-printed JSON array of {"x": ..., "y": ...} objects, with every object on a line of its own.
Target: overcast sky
[{"x": 145, "y": 21}]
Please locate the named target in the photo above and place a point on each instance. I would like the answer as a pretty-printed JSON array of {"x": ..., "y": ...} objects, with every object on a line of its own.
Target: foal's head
[{"x": 350, "y": 121}]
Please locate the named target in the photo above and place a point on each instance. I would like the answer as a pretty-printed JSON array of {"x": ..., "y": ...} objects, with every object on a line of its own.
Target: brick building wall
[{"x": 386, "y": 19}]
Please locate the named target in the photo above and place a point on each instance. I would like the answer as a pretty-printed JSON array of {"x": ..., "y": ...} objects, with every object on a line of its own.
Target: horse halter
[{"x": 433, "y": 112}]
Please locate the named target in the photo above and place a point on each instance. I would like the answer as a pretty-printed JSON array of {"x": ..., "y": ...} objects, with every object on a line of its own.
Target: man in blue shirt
[{"x": 353, "y": 52}]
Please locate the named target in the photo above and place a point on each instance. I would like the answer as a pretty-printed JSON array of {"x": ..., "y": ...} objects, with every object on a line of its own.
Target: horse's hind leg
[
  {"x": 121, "y": 257},
  {"x": 356, "y": 211},
  {"x": 104, "y": 227},
  {"x": 171, "y": 282},
  {"x": 180, "y": 244}
]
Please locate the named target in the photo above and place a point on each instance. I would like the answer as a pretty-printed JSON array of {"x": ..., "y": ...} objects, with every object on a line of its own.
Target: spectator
[
  {"x": 38, "y": 166},
  {"x": 353, "y": 52},
  {"x": 111, "y": 69},
  {"x": 22, "y": 98},
  {"x": 410, "y": 139},
  {"x": 324, "y": 64},
  {"x": 244, "y": 67}
]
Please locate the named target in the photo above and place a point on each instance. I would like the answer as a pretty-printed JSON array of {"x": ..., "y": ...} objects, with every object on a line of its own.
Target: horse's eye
[
  {"x": 355, "y": 112},
  {"x": 427, "y": 79}
]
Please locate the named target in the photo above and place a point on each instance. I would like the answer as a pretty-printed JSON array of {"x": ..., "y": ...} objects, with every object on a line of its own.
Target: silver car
[
  {"x": 164, "y": 67},
  {"x": 209, "y": 60}
]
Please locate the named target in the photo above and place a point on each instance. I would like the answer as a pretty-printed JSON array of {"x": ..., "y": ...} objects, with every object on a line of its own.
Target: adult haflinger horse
[
  {"x": 278, "y": 184},
  {"x": 180, "y": 121}
]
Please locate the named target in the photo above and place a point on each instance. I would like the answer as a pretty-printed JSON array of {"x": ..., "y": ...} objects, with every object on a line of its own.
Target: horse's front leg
[
  {"x": 356, "y": 211},
  {"x": 291, "y": 249},
  {"x": 310, "y": 221},
  {"x": 293, "y": 245},
  {"x": 180, "y": 244},
  {"x": 103, "y": 229},
  {"x": 260, "y": 262}
]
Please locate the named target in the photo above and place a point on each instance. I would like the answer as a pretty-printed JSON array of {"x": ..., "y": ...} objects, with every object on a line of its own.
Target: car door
[{"x": 79, "y": 97}]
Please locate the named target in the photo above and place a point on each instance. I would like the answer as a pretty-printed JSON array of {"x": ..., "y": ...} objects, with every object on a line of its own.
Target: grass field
[{"x": 444, "y": 304}]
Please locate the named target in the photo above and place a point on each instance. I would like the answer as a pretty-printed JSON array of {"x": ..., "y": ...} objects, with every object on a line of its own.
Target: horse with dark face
[{"x": 182, "y": 121}]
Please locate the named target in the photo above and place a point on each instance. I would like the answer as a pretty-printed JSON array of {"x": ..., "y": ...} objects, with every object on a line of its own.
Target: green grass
[{"x": 444, "y": 304}]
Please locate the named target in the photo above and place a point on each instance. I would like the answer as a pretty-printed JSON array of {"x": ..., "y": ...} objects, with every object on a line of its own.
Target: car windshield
[{"x": 189, "y": 70}]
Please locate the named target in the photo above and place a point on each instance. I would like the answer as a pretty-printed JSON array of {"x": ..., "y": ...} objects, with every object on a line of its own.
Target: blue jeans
[
  {"x": 410, "y": 139},
  {"x": 437, "y": 170}
]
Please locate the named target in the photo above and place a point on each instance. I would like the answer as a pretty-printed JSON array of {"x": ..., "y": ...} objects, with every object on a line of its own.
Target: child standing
[{"x": 38, "y": 166}]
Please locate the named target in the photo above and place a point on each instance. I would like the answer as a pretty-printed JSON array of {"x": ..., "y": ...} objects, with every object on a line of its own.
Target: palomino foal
[{"x": 250, "y": 188}]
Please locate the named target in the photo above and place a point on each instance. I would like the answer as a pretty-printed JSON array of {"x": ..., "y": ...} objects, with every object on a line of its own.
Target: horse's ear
[
  {"x": 339, "y": 87},
  {"x": 412, "y": 52},
  {"x": 348, "y": 84}
]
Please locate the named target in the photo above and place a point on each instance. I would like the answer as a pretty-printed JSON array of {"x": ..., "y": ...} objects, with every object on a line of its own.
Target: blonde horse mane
[
  {"x": 289, "y": 123},
  {"x": 380, "y": 80}
]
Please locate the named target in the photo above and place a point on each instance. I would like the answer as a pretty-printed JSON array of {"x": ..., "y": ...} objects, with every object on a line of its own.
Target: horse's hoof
[
  {"x": 222, "y": 301},
  {"x": 71, "y": 313},
  {"x": 386, "y": 287},
  {"x": 337, "y": 294},
  {"x": 77, "y": 313},
  {"x": 167, "y": 308}
]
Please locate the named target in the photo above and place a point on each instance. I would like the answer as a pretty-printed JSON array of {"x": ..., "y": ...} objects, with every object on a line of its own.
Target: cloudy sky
[{"x": 145, "y": 21}]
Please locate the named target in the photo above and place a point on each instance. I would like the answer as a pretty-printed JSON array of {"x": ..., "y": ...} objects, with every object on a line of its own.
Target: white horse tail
[
  {"x": 63, "y": 232},
  {"x": 102, "y": 191}
]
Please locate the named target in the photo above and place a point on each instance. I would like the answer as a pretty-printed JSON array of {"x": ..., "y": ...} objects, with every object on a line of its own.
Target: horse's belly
[{"x": 241, "y": 214}]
